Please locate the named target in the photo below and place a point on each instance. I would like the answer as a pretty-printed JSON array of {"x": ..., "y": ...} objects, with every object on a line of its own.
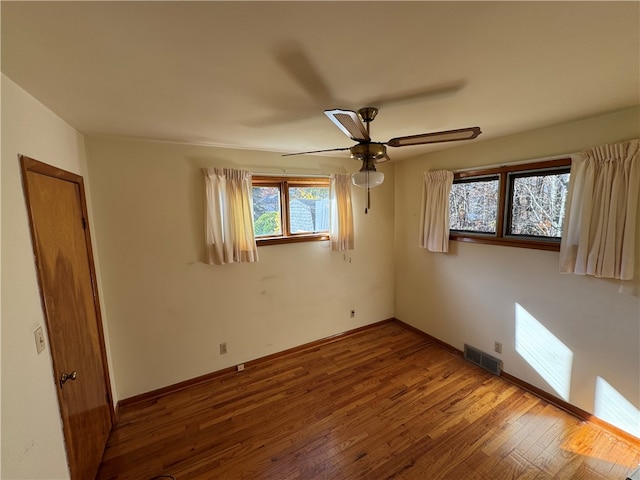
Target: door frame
[{"x": 31, "y": 165}]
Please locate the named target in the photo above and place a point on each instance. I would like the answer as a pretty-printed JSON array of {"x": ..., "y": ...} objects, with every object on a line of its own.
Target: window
[
  {"x": 473, "y": 204},
  {"x": 290, "y": 209},
  {"x": 517, "y": 205}
]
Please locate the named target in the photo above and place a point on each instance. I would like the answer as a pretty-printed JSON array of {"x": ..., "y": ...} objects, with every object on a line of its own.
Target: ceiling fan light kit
[
  {"x": 370, "y": 153},
  {"x": 367, "y": 177}
]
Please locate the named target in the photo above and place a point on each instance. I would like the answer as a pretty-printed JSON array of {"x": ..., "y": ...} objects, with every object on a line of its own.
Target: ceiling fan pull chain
[{"x": 368, "y": 206}]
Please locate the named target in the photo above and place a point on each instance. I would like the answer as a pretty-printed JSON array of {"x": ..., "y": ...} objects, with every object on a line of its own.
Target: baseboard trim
[
  {"x": 153, "y": 395},
  {"x": 116, "y": 413},
  {"x": 417, "y": 331},
  {"x": 558, "y": 402}
]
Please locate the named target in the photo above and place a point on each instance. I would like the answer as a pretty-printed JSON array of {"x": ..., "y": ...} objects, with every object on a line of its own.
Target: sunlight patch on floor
[
  {"x": 581, "y": 441},
  {"x": 548, "y": 356}
]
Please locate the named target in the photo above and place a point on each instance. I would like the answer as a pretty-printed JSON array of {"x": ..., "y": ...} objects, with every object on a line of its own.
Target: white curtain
[
  {"x": 434, "y": 217},
  {"x": 341, "y": 224},
  {"x": 599, "y": 230},
  {"x": 229, "y": 230}
]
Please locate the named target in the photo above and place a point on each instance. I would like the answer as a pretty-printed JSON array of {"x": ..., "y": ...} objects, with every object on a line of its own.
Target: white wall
[
  {"x": 470, "y": 294},
  {"x": 32, "y": 440},
  {"x": 168, "y": 311}
]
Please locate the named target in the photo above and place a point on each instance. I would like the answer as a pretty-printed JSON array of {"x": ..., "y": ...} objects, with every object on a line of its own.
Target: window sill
[
  {"x": 550, "y": 245},
  {"x": 315, "y": 237}
]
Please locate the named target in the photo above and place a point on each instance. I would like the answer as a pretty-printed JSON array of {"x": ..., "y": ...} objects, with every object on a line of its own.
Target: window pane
[
  {"x": 473, "y": 206},
  {"x": 538, "y": 204},
  {"x": 308, "y": 209},
  {"x": 266, "y": 211}
]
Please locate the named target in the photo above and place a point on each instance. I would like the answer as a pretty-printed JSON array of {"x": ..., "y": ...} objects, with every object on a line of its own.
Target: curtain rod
[{"x": 521, "y": 162}]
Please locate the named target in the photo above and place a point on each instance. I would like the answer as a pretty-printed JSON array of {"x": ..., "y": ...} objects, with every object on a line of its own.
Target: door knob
[{"x": 65, "y": 377}]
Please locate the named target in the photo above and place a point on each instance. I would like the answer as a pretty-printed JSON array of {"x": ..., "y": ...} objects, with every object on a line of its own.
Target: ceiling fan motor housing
[{"x": 368, "y": 151}]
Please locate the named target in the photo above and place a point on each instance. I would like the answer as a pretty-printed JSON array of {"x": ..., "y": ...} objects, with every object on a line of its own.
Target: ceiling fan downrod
[
  {"x": 367, "y": 114},
  {"x": 366, "y": 150}
]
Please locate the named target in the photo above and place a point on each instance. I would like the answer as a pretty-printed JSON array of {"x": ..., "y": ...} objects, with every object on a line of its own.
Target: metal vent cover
[{"x": 482, "y": 359}]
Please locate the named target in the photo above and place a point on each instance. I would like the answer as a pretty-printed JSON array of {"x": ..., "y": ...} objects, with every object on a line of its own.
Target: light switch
[{"x": 39, "y": 336}]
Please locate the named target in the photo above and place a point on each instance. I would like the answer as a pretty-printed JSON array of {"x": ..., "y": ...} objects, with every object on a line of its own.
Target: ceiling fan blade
[
  {"x": 293, "y": 114},
  {"x": 429, "y": 93},
  {"x": 350, "y": 124},
  {"x": 436, "y": 137},
  {"x": 383, "y": 159},
  {"x": 297, "y": 64},
  {"x": 316, "y": 151}
]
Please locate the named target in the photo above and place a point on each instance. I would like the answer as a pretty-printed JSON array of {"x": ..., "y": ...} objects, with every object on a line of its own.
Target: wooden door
[{"x": 64, "y": 260}]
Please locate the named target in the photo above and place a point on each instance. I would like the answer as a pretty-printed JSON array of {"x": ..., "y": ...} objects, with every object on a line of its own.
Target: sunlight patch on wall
[
  {"x": 614, "y": 408},
  {"x": 548, "y": 356}
]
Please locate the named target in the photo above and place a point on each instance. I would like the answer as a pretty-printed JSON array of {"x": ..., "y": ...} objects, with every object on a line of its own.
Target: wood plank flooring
[{"x": 383, "y": 403}]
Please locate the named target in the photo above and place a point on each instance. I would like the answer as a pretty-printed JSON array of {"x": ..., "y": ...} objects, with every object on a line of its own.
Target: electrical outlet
[
  {"x": 240, "y": 367},
  {"x": 223, "y": 348},
  {"x": 352, "y": 314},
  {"x": 497, "y": 347},
  {"x": 39, "y": 336}
]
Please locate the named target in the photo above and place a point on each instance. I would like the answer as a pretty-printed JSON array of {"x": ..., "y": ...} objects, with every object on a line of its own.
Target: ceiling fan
[{"x": 370, "y": 153}]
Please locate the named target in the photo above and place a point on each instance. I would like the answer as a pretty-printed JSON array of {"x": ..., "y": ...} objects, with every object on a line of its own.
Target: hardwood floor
[{"x": 382, "y": 403}]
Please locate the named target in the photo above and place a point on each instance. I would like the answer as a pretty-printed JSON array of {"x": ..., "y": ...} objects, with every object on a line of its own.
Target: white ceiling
[{"x": 258, "y": 75}]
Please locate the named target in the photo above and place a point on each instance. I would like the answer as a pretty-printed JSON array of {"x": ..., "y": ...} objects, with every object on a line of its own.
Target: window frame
[
  {"x": 284, "y": 184},
  {"x": 506, "y": 175}
]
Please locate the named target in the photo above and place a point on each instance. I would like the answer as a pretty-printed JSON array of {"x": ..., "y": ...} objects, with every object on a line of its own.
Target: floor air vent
[{"x": 482, "y": 359}]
